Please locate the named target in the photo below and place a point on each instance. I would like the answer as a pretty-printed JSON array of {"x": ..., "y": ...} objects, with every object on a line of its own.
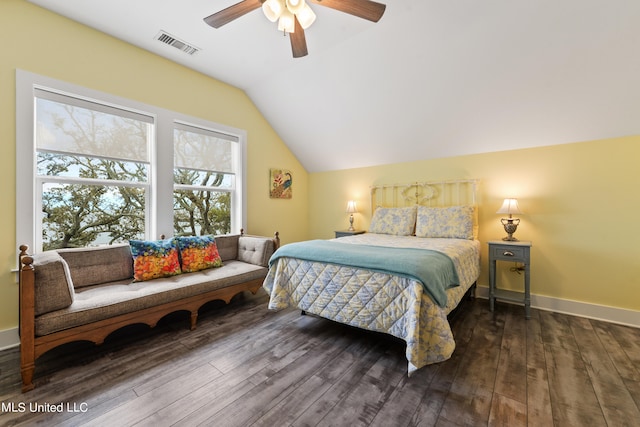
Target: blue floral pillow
[
  {"x": 454, "y": 222},
  {"x": 396, "y": 221},
  {"x": 154, "y": 259}
]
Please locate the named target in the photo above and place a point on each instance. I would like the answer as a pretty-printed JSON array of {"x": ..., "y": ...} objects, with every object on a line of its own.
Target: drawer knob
[{"x": 507, "y": 253}]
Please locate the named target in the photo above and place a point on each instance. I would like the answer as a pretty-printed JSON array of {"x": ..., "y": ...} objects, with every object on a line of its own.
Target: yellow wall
[
  {"x": 580, "y": 200},
  {"x": 45, "y": 43},
  {"x": 581, "y": 204}
]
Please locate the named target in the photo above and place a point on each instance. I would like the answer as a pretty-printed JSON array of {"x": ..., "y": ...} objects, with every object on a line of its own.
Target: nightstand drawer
[{"x": 508, "y": 252}]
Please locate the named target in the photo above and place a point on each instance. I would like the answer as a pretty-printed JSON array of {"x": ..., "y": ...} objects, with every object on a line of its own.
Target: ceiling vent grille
[{"x": 170, "y": 40}]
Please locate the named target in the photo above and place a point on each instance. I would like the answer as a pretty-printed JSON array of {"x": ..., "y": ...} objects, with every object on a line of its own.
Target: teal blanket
[{"x": 433, "y": 269}]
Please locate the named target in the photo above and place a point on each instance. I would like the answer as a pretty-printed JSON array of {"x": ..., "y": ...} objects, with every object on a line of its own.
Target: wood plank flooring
[{"x": 247, "y": 366}]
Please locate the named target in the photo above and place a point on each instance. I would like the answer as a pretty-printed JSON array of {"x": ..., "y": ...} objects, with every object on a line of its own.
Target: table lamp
[
  {"x": 510, "y": 207},
  {"x": 351, "y": 209}
]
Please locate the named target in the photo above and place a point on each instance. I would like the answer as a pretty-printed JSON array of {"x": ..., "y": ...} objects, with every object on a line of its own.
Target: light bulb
[{"x": 295, "y": 6}]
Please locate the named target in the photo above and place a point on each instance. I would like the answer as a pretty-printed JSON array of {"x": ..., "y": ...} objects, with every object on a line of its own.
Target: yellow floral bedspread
[{"x": 378, "y": 301}]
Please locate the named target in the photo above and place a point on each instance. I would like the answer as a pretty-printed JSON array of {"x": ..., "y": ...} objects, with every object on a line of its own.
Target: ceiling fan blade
[
  {"x": 235, "y": 11},
  {"x": 298, "y": 41},
  {"x": 365, "y": 9}
]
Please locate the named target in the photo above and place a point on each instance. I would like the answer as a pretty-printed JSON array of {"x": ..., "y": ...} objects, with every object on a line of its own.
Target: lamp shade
[
  {"x": 306, "y": 17},
  {"x": 286, "y": 22},
  {"x": 509, "y": 206},
  {"x": 351, "y": 206},
  {"x": 272, "y": 9}
]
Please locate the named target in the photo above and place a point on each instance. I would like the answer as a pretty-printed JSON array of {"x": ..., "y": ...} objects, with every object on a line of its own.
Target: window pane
[
  {"x": 197, "y": 213},
  {"x": 87, "y": 215},
  {"x": 199, "y": 151},
  {"x": 50, "y": 164},
  {"x": 64, "y": 128}
]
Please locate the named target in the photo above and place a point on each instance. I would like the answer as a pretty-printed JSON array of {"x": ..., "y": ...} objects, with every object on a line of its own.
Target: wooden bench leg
[
  {"x": 194, "y": 319},
  {"x": 27, "y": 376}
]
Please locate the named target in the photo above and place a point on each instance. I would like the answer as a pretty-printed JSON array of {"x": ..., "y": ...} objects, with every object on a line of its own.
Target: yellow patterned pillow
[
  {"x": 154, "y": 259},
  {"x": 454, "y": 222},
  {"x": 395, "y": 221},
  {"x": 198, "y": 253}
]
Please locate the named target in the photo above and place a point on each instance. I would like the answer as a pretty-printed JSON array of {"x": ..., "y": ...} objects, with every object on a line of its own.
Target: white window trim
[{"x": 160, "y": 221}]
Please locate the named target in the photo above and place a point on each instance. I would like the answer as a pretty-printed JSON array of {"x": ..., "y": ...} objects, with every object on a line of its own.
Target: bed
[{"x": 403, "y": 277}]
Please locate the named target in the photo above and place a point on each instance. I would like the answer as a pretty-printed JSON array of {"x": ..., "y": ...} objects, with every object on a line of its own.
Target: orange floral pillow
[
  {"x": 154, "y": 259},
  {"x": 198, "y": 253}
]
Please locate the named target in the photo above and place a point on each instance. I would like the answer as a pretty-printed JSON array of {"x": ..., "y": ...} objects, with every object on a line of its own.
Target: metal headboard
[
  {"x": 460, "y": 192},
  {"x": 435, "y": 194}
]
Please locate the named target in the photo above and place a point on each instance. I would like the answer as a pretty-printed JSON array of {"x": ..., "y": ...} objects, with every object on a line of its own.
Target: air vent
[{"x": 167, "y": 38}]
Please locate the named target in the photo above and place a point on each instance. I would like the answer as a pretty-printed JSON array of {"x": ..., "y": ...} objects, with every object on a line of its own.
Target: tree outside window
[{"x": 93, "y": 174}]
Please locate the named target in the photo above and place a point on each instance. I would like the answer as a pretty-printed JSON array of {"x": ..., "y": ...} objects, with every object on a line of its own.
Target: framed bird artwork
[{"x": 280, "y": 182}]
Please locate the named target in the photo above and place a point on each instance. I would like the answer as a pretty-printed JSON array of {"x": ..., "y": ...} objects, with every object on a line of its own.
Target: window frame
[{"x": 159, "y": 211}]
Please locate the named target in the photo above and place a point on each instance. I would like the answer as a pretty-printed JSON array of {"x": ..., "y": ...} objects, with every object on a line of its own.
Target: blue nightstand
[{"x": 501, "y": 250}]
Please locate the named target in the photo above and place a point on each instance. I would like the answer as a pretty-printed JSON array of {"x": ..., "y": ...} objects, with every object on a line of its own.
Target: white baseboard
[
  {"x": 605, "y": 313},
  {"x": 9, "y": 338}
]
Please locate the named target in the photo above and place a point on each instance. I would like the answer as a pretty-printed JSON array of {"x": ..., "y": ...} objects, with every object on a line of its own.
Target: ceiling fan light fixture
[
  {"x": 295, "y": 6},
  {"x": 306, "y": 17},
  {"x": 295, "y": 16},
  {"x": 272, "y": 9},
  {"x": 286, "y": 22}
]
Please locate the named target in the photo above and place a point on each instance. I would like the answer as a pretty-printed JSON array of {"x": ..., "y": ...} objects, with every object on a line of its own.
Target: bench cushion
[
  {"x": 91, "y": 266},
  {"x": 255, "y": 250},
  {"x": 227, "y": 246},
  {"x": 99, "y": 302},
  {"x": 55, "y": 288}
]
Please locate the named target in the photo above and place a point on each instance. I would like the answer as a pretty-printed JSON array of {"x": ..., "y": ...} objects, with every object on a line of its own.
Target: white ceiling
[{"x": 431, "y": 79}]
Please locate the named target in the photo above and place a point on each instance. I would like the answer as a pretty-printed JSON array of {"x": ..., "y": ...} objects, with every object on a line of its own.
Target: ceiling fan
[{"x": 295, "y": 16}]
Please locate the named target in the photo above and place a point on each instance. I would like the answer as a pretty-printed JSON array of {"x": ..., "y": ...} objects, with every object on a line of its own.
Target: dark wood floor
[{"x": 247, "y": 366}]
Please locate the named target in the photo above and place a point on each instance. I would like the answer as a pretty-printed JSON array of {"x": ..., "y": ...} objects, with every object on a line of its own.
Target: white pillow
[
  {"x": 396, "y": 221},
  {"x": 454, "y": 222}
]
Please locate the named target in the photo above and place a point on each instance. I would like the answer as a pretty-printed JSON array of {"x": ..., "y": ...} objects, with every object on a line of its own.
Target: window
[
  {"x": 205, "y": 163},
  {"x": 94, "y": 169},
  {"x": 92, "y": 172}
]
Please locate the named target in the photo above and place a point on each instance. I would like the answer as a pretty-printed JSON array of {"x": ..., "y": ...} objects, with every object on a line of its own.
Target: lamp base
[
  {"x": 351, "y": 223},
  {"x": 510, "y": 226}
]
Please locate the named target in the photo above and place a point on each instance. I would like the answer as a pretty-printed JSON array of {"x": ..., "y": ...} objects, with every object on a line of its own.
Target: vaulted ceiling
[{"x": 430, "y": 79}]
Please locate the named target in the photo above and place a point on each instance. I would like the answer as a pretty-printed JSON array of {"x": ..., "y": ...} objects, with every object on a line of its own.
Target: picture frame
[{"x": 280, "y": 183}]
